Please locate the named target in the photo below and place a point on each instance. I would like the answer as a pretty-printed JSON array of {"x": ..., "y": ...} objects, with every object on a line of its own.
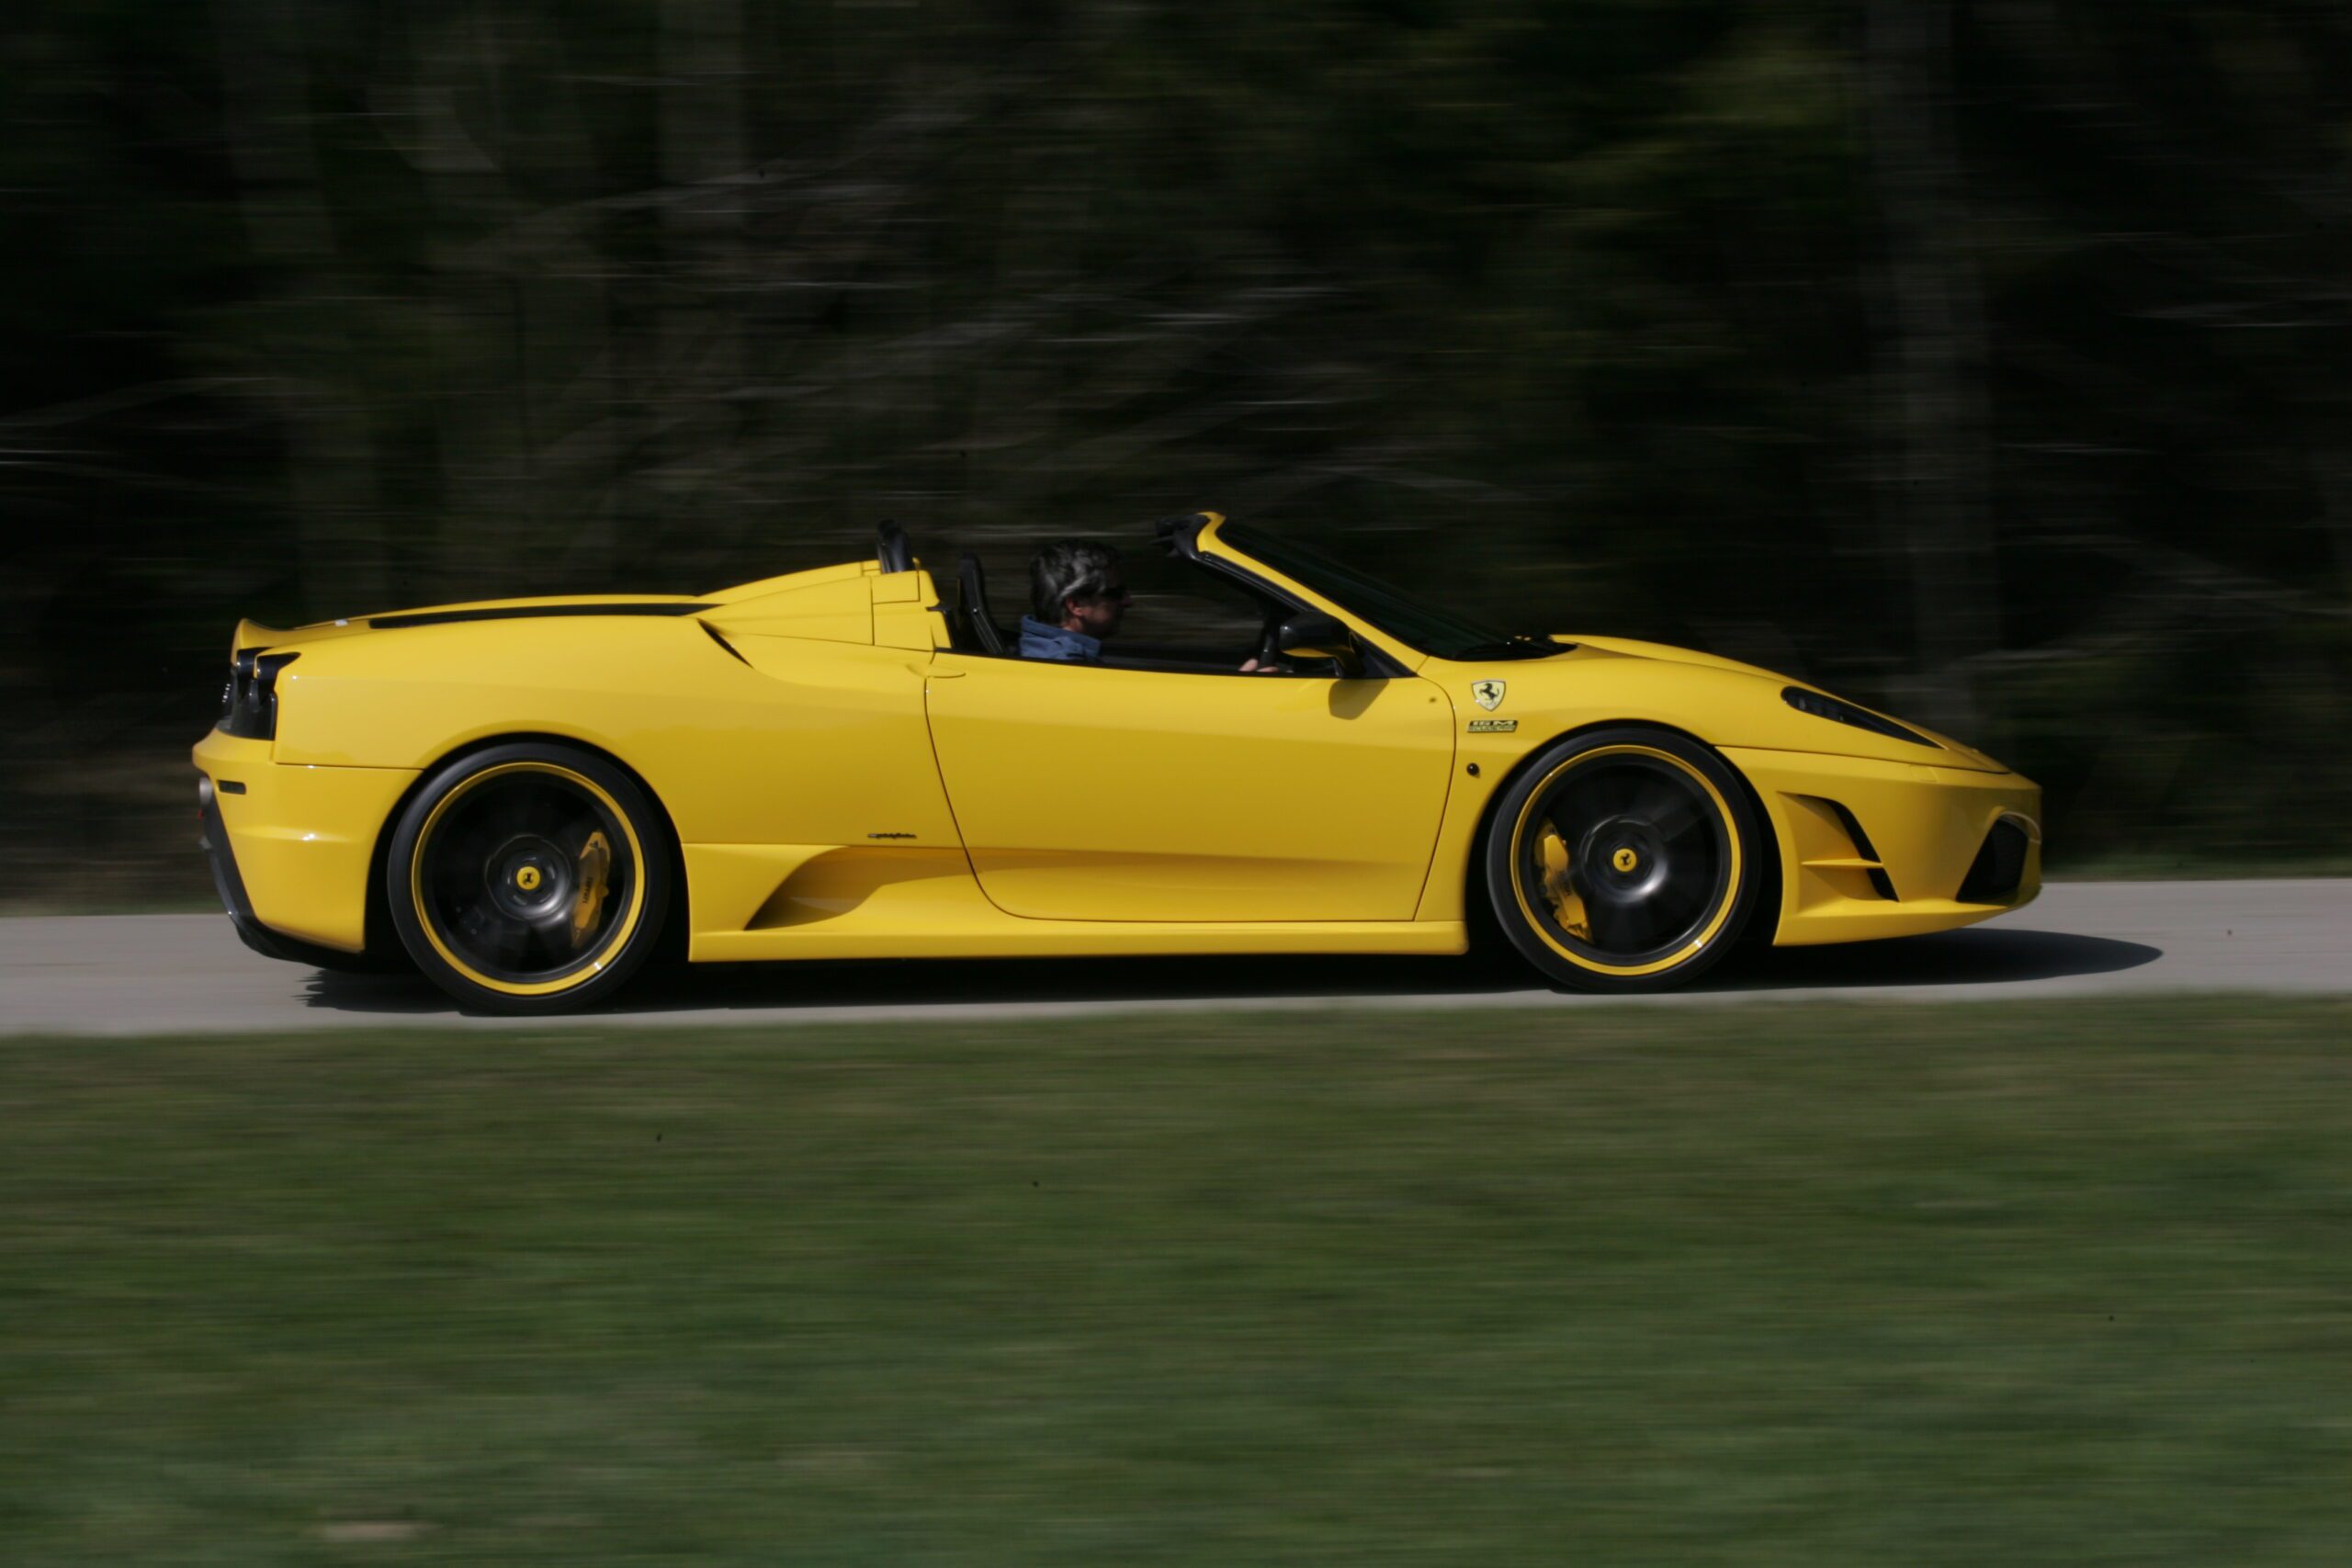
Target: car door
[{"x": 1087, "y": 792}]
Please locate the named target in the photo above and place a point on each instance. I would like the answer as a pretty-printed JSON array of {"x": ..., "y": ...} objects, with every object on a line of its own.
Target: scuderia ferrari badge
[{"x": 1489, "y": 693}]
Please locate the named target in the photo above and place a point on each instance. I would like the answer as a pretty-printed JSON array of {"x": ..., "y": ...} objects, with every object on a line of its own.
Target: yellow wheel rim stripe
[
  {"x": 621, "y": 929},
  {"x": 1586, "y": 961}
]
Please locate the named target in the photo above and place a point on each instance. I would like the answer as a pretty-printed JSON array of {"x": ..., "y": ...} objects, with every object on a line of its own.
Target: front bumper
[
  {"x": 291, "y": 844},
  {"x": 1872, "y": 849}
]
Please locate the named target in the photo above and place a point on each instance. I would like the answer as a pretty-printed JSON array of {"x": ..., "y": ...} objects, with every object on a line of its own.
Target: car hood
[
  {"x": 1632, "y": 647},
  {"x": 1594, "y": 678}
]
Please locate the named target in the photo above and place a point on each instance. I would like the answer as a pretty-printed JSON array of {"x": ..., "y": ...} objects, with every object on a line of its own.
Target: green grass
[{"x": 2064, "y": 1283}]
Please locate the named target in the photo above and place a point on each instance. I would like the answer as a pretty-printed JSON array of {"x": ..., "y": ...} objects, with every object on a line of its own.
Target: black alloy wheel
[
  {"x": 1624, "y": 860},
  {"x": 530, "y": 879}
]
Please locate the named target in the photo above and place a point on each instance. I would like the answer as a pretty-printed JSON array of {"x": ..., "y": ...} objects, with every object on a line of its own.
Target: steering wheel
[
  {"x": 892, "y": 551},
  {"x": 1270, "y": 644}
]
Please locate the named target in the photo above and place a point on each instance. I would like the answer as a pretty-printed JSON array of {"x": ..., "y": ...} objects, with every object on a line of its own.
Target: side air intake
[
  {"x": 1855, "y": 855},
  {"x": 1999, "y": 866}
]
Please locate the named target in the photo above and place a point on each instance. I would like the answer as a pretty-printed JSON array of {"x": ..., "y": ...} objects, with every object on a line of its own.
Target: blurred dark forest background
[{"x": 1987, "y": 361}]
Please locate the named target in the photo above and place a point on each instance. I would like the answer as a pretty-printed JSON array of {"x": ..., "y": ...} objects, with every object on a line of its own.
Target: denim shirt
[{"x": 1039, "y": 640}]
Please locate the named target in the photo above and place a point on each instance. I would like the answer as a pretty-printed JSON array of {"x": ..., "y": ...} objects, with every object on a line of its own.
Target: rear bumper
[
  {"x": 290, "y": 844},
  {"x": 213, "y": 841},
  {"x": 1871, "y": 849}
]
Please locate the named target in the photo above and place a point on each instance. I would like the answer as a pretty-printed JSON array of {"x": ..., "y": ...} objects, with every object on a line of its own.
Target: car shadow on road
[
  {"x": 1974, "y": 957},
  {"x": 1977, "y": 956}
]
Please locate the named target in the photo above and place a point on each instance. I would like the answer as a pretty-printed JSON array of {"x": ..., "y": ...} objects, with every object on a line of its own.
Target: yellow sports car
[{"x": 528, "y": 798}]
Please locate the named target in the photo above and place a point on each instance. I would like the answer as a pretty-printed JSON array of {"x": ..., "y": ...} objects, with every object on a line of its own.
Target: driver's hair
[{"x": 1066, "y": 570}]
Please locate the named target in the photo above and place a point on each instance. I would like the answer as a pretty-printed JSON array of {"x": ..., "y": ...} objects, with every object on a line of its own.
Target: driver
[{"x": 1078, "y": 596}]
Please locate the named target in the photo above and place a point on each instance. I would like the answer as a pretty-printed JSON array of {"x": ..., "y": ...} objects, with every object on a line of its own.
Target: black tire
[
  {"x": 1624, "y": 860},
  {"x": 530, "y": 879}
]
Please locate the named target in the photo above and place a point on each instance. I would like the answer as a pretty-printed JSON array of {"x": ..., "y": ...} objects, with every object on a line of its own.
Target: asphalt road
[{"x": 153, "y": 974}]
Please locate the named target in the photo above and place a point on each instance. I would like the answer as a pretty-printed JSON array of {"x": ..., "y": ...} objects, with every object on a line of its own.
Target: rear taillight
[{"x": 249, "y": 702}]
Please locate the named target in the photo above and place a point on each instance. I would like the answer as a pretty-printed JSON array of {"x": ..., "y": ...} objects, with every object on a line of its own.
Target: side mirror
[{"x": 1310, "y": 635}]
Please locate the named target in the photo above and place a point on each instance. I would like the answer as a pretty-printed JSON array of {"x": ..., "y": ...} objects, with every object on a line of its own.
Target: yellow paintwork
[
  {"x": 303, "y": 836},
  {"x": 1141, "y": 794},
  {"x": 1926, "y": 823},
  {"x": 842, "y": 785},
  {"x": 830, "y": 609}
]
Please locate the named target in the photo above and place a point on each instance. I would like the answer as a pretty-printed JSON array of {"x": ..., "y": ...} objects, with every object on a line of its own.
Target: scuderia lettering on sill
[{"x": 1492, "y": 726}]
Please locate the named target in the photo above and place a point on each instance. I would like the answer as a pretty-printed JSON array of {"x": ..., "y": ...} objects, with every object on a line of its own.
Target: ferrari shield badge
[{"x": 1489, "y": 693}]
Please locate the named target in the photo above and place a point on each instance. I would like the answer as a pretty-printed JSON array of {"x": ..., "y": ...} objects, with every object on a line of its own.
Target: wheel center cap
[
  {"x": 528, "y": 879},
  {"x": 1622, "y": 862}
]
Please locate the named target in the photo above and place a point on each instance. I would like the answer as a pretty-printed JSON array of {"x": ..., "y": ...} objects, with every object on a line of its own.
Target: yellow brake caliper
[
  {"x": 596, "y": 864},
  {"x": 1567, "y": 905}
]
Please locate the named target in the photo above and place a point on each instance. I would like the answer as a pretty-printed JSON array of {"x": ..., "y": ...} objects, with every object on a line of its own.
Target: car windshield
[{"x": 1417, "y": 625}]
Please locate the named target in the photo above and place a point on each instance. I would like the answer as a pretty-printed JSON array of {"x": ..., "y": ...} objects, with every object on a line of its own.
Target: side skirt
[
  {"x": 763, "y": 903},
  {"x": 1073, "y": 939}
]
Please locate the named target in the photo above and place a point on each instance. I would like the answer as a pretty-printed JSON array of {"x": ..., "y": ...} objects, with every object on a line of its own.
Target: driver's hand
[{"x": 1252, "y": 667}]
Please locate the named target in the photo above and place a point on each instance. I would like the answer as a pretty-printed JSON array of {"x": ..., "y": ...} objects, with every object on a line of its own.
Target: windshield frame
[{"x": 1387, "y": 609}]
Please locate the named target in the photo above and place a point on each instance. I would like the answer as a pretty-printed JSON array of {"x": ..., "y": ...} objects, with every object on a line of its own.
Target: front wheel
[
  {"x": 529, "y": 878},
  {"x": 1623, "y": 860}
]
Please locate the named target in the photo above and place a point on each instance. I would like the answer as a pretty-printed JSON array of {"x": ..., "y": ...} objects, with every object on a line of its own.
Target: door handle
[{"x": 946, "y": 674}]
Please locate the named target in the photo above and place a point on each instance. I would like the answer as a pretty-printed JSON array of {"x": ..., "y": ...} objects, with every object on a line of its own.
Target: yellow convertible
[{"x": 528, "y": 798}]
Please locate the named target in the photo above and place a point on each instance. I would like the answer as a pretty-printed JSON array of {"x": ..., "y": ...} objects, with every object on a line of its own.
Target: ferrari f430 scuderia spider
[{"x": 526, "y": 798}]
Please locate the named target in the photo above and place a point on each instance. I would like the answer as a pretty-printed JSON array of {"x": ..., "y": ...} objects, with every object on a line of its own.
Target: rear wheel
[
  {"x": 1623, "y": 860},
  {"x": 530, "y": 879}
]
